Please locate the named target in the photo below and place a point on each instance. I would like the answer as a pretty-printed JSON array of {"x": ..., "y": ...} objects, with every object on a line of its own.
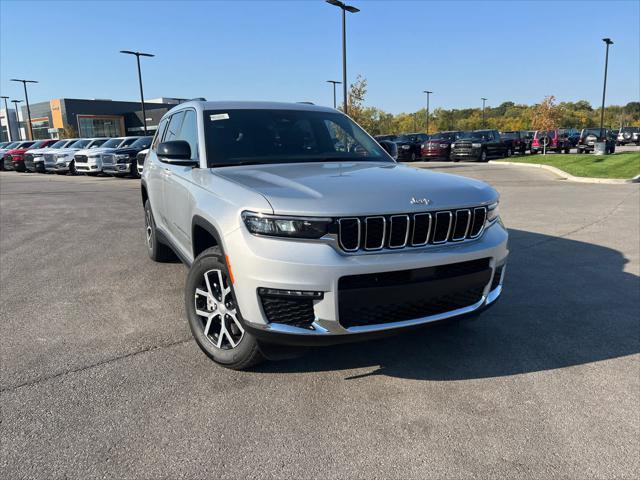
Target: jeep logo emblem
[{"x": 419, "y": 201}]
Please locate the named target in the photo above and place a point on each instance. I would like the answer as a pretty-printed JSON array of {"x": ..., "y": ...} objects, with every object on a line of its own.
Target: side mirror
[
  {"x": 390, "y": 147},
  {"x": 176, "y": 152}
]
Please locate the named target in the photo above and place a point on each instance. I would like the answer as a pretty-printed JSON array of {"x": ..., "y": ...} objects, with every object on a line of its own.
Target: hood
[
  {"x": 356, "y": 188},
  {"x": 17, "y": 151},
  {"x": 120, "y": 151},
  {"x": 93, "y": 152},
  {"x": 436, "y": 142},
  {"x": 39, "y": 151}
]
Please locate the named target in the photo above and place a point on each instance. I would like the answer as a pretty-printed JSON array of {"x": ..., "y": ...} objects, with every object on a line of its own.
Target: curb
[{"x": 566, "y": 176}]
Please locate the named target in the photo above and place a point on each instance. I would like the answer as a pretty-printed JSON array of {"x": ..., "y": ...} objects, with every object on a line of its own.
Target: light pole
[
  {"x": 428, "y": 93},
  {"x": 6, "y": 109},
  {"x": 345, "y": 8},
  {"x": 604, "y": 87},
  {"x": 335, "y": 82},
  {"x": 138, "y": 55},
  {"x": 484, "y": 125},
  {"x": 26, "y": 97},
  {"x": 15, "y": 107}
]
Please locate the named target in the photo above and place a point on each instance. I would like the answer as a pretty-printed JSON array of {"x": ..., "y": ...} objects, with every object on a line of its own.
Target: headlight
[
  {"x": 453, "y": 145},
  {"x": 293, "y": 227},
  {"x": 492, "y": 213},
  {"x": 61, "y": 155},
  {"x": 405, "y": 147},
  {"x": 122, "y": 156},
  {"x": 443, "y": 145},
  {"x": 476, "y": 145}
]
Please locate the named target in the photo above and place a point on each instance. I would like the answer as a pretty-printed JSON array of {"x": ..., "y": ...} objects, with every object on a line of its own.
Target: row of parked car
[
  {"x": 121, "y": 156},
  {"x": 480, "y": 145}
]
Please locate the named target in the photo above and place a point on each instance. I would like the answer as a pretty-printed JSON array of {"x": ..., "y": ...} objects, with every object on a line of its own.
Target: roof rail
[
  {"x": 200, "y": 99},
  {"x": 307, "y": 103}
]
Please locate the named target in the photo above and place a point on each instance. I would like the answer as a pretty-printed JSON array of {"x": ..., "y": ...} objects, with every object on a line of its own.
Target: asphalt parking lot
[{"x": 100, "y": 378}]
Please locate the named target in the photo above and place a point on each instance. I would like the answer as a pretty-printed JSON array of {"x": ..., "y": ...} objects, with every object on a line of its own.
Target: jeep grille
[{"x": 410, "y": 230}]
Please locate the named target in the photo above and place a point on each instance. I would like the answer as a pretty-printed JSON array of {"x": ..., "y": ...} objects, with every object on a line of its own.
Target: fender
[{"x": 201, "y": 222}]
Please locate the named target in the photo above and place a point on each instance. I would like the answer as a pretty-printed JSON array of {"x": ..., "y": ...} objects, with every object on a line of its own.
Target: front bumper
[
  {"x": 116, "y": 168},
  {"x": 62, "y": 167},
  {"x": 435, "y": 153},
  {"x": 92, "y": 166},
  {"x": 466, "y": 154},
  {"x": 261, "y": 262}
]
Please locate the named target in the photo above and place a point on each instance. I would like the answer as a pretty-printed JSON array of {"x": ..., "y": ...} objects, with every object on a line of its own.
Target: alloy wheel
[
  {"x": 215, "y": 307},
  {"x": 148, "y": 229}
]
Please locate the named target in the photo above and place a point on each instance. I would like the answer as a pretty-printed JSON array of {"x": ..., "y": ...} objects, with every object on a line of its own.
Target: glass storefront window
[
  {"x": 40, "y": 128},
  {"x": 90, "y": 127}
]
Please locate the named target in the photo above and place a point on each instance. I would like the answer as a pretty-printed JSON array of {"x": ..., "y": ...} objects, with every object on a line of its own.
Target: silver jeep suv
[{"x": 299, "y": 229}]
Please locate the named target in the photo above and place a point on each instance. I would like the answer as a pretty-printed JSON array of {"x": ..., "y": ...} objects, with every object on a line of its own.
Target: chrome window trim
[
  {"x": 406, "y": 233},
  {"x": 466, "y": 230},
  {"x": 366, "y": 233},
  {"x": 446, "y": 239},
  {"x": 413, "y": 233},
  {"x": 340, "y": 220}
]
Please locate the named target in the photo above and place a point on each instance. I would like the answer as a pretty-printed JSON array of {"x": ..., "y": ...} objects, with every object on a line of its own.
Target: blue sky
[{"x": 285, "y": 50}]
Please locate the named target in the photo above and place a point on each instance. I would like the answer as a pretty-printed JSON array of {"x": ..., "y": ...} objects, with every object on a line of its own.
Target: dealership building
[{"x": 72, "y": 117}]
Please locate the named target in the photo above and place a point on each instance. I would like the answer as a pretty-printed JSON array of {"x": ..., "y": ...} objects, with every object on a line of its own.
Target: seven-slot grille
[
  {"x": 414, "y": 230},
  {"x": 80, "y": 158},
  {"x": 50, "y": 158},
  {"x": 108, "y": 159}
]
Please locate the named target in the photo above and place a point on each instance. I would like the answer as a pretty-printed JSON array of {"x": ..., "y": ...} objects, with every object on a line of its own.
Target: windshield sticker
[{"x": 219, "y": 116}]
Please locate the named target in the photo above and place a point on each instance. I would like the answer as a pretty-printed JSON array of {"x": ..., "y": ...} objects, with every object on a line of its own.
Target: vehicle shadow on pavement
[{"x": 565, "y": 303}]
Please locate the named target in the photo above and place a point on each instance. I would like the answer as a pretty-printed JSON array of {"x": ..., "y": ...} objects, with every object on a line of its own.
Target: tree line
[{"x": 506, "y": 116}]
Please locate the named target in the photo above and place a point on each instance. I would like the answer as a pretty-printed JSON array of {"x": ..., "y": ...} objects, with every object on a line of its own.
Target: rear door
[{"x": 153, "y": 175}]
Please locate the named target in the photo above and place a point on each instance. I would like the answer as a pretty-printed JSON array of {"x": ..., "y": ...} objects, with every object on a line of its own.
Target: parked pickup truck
[
  {"x": 439, "y": 145},
  {"x": 34, "y": 158},
  {"x": 298, "y": 228},
  {"x": 480, "y": 145},
  {"x": 61, "y": 161},
  {"x": 517, "y": 139},
  {"x": 89, "y": 161},
  {"x": 122, "y": 161}
]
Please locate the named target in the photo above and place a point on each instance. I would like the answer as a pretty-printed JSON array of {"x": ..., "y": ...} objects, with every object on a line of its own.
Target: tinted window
[
  {"x": 142, "y": 143},
  {"x": 189, "y": 132},
  {"x": 128, "y": 142},
  {"x": 286, "y": 136},
  {"x": 58, "y": 144},
  {"x": 174, "y": 127},
  {"x": 112, "y": 143}
]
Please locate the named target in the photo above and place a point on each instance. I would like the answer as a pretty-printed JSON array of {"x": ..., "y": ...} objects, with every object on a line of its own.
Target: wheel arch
[
  {"x": 144, "y": 192},
  {"x": 203, "y": 235}
]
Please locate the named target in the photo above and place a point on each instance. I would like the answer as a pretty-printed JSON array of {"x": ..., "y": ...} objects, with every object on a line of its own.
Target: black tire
[
  {"x": 413, "y": 157},
  {"x": 157, "y": 251},
  {"x": 508, "y": 153},
  {"x": 220, "y": 334},
  {"x": 483, "y": 156},
  {"x": 580, "y": 151},
  {"x": 72, "y": 168}
]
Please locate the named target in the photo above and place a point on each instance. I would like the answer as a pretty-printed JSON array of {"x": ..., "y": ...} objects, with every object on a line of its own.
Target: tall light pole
[
  {"x": 15, "y": 106},
  {"x": 6, "y": 109},
  {"x": 345, "y": 8},
  {"x": 604, "y": 87},
  {"x": 26, "y": 97},
  {"x": 428, "y": 93},
  {"x": 138, "y": 55},
  {"x": 335, "y": 82},
  {"x": 484, "y": 124}
]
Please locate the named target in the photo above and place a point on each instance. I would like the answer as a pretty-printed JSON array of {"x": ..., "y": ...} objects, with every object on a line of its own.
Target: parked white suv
[
  {"x": 299, "y": 229},
  {"x": 89, "y": 161}
]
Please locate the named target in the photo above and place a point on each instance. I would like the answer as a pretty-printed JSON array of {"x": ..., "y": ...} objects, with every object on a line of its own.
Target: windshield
[
  {"x": 446, "y": 136},
  {"x": 629, "y": 129},
  {"x": 591, "y": 131},
  {"x": 25, "y": 144},
  {"x": 58, "y": 144},
  {"x": 12, "y": 145},
  {"x": 479, "y": 135},
  {"x": 403, "y": 138},
  {"x": 142, "y": 143},
  {"x": 128, "y": 142},
  {"x": 79, "y": 144},
  {"x": 510, "y": 135},
  {"x": 97, "y": 143},
  {"x": 238, "y": 137},
  {"x": 35, "y": 145},
  {"x": 545, "y": 133},
  {"x": 112, "y": 143}
]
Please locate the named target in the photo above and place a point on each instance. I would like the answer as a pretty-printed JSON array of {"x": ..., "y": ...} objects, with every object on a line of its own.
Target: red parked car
[
  {"x": 439, "y": 145},
  {"x": 14, "y": 159},
  {"x": 550, "y": 141}
]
